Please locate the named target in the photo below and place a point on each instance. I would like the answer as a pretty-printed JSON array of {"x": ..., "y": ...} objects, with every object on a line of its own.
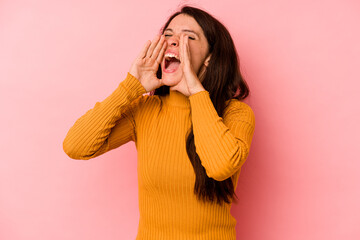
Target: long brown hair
[{"x": 223, "y": 81}]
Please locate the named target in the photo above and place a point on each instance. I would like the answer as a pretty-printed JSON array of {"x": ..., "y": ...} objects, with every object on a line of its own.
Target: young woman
[{"x": 192, "y": 133}]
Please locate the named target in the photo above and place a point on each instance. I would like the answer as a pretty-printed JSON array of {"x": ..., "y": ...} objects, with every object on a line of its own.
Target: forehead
[{"x": 183, "y": 21}]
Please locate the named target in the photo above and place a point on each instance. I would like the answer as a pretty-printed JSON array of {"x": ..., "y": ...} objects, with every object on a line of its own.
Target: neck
[{"x": 177, "y": 99}]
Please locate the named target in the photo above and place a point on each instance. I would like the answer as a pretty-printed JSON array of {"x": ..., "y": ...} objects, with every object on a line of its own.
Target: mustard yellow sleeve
[
  {"x": 106, "y": 126},
  {"x": 222, "y": 144}
]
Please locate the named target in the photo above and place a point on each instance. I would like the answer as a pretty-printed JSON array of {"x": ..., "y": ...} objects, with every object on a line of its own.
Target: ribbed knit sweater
[{"x": 169, "y": 209}]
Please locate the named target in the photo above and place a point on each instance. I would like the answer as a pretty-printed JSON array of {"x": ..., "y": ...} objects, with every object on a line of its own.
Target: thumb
[{"x": 160, "y": 83}]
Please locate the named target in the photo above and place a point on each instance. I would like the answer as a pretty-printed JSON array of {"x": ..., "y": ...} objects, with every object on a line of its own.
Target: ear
[{"x": 207, "y": 60}]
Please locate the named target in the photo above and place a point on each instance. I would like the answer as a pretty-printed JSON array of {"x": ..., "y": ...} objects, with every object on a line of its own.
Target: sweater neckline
[{"x": 177, "y": 99}]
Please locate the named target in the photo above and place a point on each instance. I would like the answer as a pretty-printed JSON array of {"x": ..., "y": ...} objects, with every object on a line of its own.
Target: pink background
[{"x": 301, "y": 61}]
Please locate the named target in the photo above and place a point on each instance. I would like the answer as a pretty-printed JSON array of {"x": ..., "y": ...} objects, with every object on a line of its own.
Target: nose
[{"x": 173, "y": 41}]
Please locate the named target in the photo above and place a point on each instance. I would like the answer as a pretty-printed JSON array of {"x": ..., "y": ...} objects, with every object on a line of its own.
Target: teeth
[{"x": 171, "y": 55}]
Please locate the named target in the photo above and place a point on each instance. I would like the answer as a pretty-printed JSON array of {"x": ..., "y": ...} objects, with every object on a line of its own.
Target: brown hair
[{"x": 223, "y": 81}]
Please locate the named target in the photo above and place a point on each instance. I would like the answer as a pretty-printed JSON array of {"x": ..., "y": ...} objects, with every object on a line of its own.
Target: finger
[
  {"x": 144, "y": 49},
  {"x": 152, "y": 46},
  {"x": 184, "y": 50},
  {"x": 158, "y": 47},
  {"x": 187, "y": 49},
  {"x": 162, "y": 51},
  {"x": 181, "y": 48}
]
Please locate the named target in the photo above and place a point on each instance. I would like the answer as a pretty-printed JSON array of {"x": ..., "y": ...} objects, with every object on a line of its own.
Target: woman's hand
[
  {"x": 145, "y": 66},
  {"x": 190, "y": 83}
]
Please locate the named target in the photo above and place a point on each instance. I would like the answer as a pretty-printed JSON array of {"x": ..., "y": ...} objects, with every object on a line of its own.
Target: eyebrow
[{"x": 184, "y": 30}]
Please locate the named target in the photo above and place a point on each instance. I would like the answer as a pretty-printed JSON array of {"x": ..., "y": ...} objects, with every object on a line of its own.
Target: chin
[{"x": 170, "y": 80}]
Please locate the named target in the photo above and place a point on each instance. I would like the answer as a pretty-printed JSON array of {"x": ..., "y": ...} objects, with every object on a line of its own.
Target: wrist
[{"x": 196, "y": 90}]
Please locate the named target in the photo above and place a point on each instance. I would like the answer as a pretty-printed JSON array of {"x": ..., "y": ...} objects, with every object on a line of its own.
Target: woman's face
[{"x": 198, "y": 46}]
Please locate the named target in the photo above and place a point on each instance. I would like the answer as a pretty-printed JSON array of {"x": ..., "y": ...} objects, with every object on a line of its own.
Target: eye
[
  {"x": 192, "y": 38},
  {"x": 167, "y": 35}
]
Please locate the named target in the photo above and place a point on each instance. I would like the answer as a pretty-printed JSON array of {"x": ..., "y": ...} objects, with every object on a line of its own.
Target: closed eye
[{"x": 168, "y": 35}]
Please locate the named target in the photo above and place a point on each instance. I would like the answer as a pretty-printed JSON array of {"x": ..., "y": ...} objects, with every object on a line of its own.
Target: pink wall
[{"x": 300, "y": 58}]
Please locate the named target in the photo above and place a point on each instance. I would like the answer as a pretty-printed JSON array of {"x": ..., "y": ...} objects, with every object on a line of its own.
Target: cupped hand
[
  {"x": 146, "y": 64},
  {"x": 189, "y": 83}
]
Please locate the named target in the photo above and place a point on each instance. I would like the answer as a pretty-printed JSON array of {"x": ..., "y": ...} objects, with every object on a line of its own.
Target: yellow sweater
[{"x": 169, "y": 209}]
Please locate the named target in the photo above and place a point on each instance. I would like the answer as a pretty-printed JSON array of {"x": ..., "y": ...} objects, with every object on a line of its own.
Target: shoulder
[
  {"x": 144, "y": 103},
  {"x": 237, "y": 110}
]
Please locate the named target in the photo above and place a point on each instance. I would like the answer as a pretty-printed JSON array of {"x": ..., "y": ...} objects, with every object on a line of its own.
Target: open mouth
[{"x": 172, "y": 62}]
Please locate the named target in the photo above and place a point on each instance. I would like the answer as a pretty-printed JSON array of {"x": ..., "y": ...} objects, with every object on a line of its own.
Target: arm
[
  {"x": 222, "y": 144},
  {"x": 110, "y": 123},
  {"x": 106, "y": 126}
]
